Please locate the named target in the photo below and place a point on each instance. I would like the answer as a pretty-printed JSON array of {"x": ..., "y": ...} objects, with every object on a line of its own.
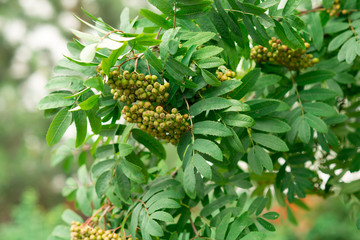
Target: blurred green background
[{"x": 33, "y": 36}]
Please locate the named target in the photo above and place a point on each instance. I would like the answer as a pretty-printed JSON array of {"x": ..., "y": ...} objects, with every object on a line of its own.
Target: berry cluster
[
  {"x": 157, "y": 122},
  {"x": 81, "y": 231},
  {"x": 225, "y": 74},
  {"x": 335, "y": 9},
  {"x": 280, "y": 54},
  {"x": 130, "y": 87}
]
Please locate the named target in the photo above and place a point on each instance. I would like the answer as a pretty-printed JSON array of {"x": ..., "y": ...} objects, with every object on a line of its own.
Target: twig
[
  {"x": 194, "y": 227},
  {"x": 312, "y": 10},
  {"x": 352, "y": 28}
]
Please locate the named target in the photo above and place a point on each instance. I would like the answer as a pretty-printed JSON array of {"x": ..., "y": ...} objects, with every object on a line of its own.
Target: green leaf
[
  {"x": 163, "y": 203},
  {"x": 224, "y": 88},
  {"x": 254, "y": 162},
  {"x": 271, "y": 215},
  {"x": 270, "y": 141},
  {"x": 237, "y": 120},
  {"x": 210, "y": 78},
  {"x": 293, "y": 36},
  {"x": 61, "y": 232},
  {"x": 122, "y": 185},
  {"x": 177, "y": 69},
  {"x": 268, "y": 3},
  {"x": 212, "y": 128},
  {"x": 206, "y": 52},
  {"x": 155, "y": 18},
  {"x": 335, "y": 26},
  {"x": 88, "y": 53},
  {"x": 247, "y": 84},
  {"x": 217, "y": 204},
  {"x": 254, "y": 236},
  {"x": 238, "y": 226},
  {"x": 272, "y": 125},
  {"x": 94, "y": 82},
  {"x": 304, "y": 131},
  {"x": 222, "y": 227},
  {"x": 82, "y": 201},
  {"x": 102, "y": 183},
  {"x": 132, "y": 171},
  {"x": 199, "y": 39},
  {"x": 264, "y": 158},
  {"x": 189, "y": 181},
  {"x": 339, "y": 40},
  {"x": 266, "y": 80},
  {"x": 211, "y": 62},
  {"x": 209, "y": 148},
  {"x": 99, "y": 167},
  {"x": 290, "y": 6},
  {"x": 149, "y": 142},
  {"x": 58, "y": 126},
  {"x": 202, "y": 166},
  {"x": 55, "y": 100},
  {"x": 107, "y": 63},
  {"x": 214, "y": 103},
  {"x": 316, "y": 30},
  {"x": 153, "y": 60},
  {"x": 237, "y": 106},
  {"x": 162, "y": 216},
  {"x": 296, "y": 22},
  {"x": 89, "y": 103},
  {"x": 154, "y": 229},
  {"x": 124, "y": 149},
  {"x": 69, "y": 216},
  {"x": 268, "y": 226},
  {"x": 164, "y": 6},
  {"x": 250, "y": 8},
  {"x": 80, "y": 120},
  {"x": 314, "y": 77},
  {"x": 314, "y": 94},
  {"x": 319, "y": 109},
  {"x": 316, "y": 123}
]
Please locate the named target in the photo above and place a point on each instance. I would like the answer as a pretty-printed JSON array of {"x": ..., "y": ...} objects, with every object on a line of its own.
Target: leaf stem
[
  {"x": 194, "y": 227},
  {"x": 298, "y": 95},
  {"x": 352, "y": 28}
]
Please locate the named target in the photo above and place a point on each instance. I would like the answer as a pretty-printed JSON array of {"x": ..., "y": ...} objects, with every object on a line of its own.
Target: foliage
[
  {"x": 31, "y": 219},
  {"x": 286, "y": 126}
]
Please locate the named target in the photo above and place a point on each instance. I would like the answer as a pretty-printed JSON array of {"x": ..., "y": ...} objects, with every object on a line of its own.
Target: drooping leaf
[
  {"x": 58, "y": 126},
  {"x": 202, "y": 166},
  {"x": 80, "y": 120},
  {"x": 210, "y": 78},
  {"x": 149, "y": 142},
  {"x": 102, "y": 183},
  {"x": 247, "y": 83}
]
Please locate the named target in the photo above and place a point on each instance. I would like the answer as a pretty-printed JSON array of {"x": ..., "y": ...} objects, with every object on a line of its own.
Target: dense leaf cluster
[{"x": 271, "y": 128}]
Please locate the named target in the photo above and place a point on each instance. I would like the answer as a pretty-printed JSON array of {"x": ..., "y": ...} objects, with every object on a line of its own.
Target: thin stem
[
  {"x": 312, "y": 10},
  {"x": 233, "y": 10},
  {"x": 191, "y": 122},
  {"x": 298, "y": 96},
  {"x": 352, "y": 28},
  {"x": 125, "y": 61},
  {"x": 194, "y": 227},
  {"x": 106, "y": 35}
]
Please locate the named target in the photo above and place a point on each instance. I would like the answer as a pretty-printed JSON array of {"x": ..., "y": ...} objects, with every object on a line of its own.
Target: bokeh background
[{"x": 33, "y": 37}]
